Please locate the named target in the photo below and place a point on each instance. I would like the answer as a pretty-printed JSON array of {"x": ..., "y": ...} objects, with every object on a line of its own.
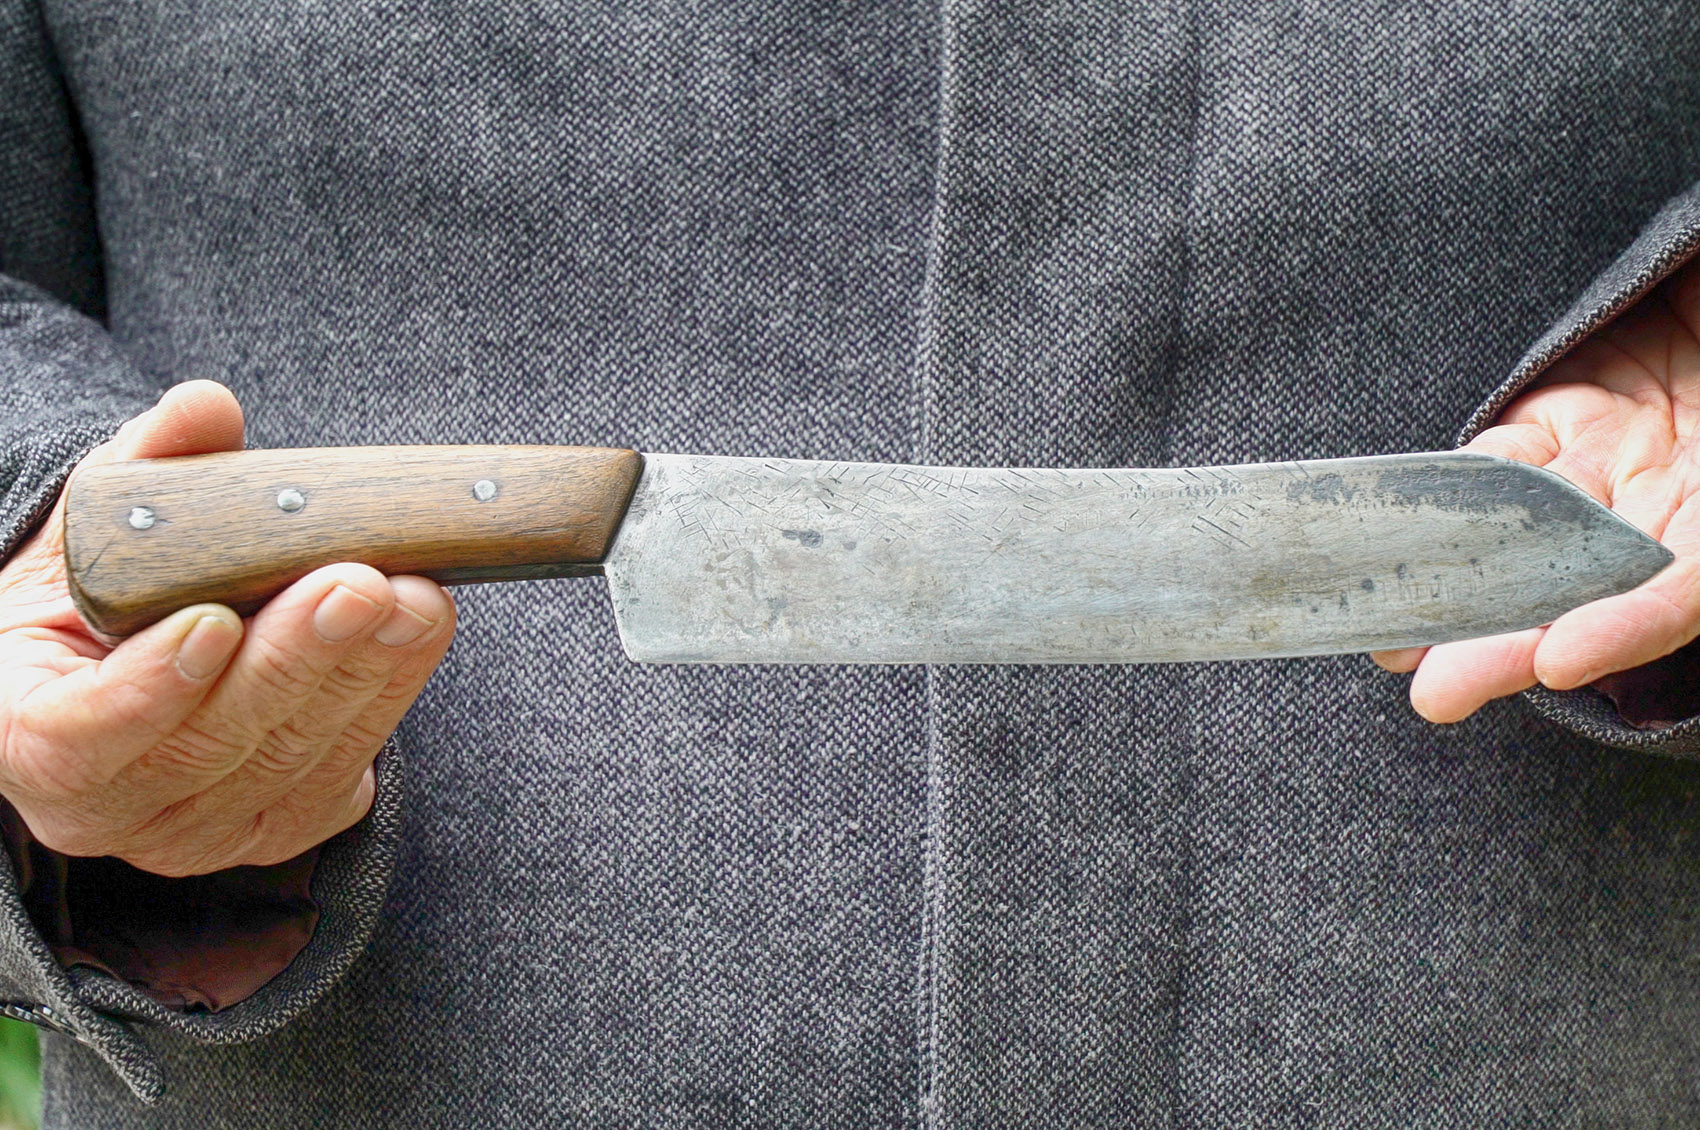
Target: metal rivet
[
  {"x": 141, "y": 518},
  {"x": 289, "y": 500},
  {"x": 483, "y": 490}
]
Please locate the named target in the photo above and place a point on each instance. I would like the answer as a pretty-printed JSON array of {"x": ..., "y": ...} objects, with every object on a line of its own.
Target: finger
[
  {"x": 1399, "y": 660},
  {"x": 420, "y": 650},
  {"x": 350, "y": 807},
  {"x": 337, "y": 731},
  {"x": 190, "y": 419},
  {"x": 1525, "y": 441},
  {"x": 1462, "y": 676},
  {"x": 1590, "y": 377},
  {"x": 1622, "y": 631},
  {"x": 290, "y": 796},
  {"x": 338, "y": 791},
  {"x": 1457, "y": 679},
  {"x": 1652, "y": 334},
  {"x": 1581, "y": 460},
  {"x": 291, "y": 646},
  {"x": 76, "y": 733},
  {"x": 1576, "y": 430},
  {"x": 415, "y": 637}
]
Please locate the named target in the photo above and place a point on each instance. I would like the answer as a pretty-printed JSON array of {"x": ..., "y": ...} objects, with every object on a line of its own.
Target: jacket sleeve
[
  {"x": 65, "y": 386},
  {"x": 1655, "y": 708}
]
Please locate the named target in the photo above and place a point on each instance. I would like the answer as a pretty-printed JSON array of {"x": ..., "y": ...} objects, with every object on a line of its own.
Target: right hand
[
  {"x": 1619, "y": 416},
  {"x": 203, "y": 743}
]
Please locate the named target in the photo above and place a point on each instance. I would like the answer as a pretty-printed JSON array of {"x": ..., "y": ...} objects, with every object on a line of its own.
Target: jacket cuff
[
  {"x": 91, "y": 1006},
  {"x": 199, "y": 943},
  {"x": 1654, "y": 708}
]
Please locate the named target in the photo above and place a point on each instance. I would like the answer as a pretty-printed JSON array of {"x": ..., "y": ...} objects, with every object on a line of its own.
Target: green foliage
[{"x": 20, "y": 1076}]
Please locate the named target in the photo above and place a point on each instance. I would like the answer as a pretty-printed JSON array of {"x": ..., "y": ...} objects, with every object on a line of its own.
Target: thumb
[
  {"x": 102, "y": 716},
  {"x": 190, "y": 419}
]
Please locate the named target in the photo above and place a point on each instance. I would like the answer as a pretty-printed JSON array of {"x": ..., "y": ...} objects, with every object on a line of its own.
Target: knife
[{"x": 730, "y": 560}]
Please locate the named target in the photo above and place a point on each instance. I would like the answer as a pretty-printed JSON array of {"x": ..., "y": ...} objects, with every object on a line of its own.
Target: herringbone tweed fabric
[{"x": 1077, "y": 233}]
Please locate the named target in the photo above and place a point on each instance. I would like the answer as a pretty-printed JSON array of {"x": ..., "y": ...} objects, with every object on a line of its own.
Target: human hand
[
  {"x": 1620, "y": 418},
  {"x": 202, "y": 743}
]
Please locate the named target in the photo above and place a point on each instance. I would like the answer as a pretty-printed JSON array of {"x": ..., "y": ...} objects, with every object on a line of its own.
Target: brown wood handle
[{"x": 144, "y": 539}]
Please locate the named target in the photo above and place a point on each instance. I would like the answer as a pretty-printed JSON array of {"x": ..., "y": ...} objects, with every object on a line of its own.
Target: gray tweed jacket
[{"x": 1074, "y": 233}]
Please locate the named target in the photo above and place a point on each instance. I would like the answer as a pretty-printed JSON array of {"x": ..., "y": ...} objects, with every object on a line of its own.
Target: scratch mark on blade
[{"x": 1220, "y": 530}]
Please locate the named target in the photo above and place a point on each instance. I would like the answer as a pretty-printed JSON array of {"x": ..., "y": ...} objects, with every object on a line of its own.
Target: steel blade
[{"x": 727, "y": 560}]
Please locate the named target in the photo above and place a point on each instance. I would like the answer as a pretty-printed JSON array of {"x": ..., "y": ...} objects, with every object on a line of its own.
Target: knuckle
[
  {"x": 298, "y": 822},
  {"x": 409, "y": 679},
  {"x": 167, "y": 826},
  {"x": 360, "y": 672},
  {"x": 284, "y": 675},
  {"x": 355, "y": 749},
  {"x": 51, "y": 768},
  {"x": 285, "y": 748},
  {"x": 362, "y": 739},
  {"x": 194, "y": 749}
]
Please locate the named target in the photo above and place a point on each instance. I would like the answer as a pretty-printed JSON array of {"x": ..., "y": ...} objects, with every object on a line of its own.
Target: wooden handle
[{"x": 144, "y": 539}]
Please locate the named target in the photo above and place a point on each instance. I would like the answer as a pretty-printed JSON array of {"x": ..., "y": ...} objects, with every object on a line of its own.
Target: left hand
[{"x": 1620, "y": 418}]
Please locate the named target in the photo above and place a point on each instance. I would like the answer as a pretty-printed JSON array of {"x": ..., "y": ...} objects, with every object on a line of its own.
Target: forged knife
[{"x": 729, "y": 560}]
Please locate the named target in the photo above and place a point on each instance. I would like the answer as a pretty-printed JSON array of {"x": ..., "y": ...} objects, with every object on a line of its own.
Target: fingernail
[
  {"x": 341, "y": 613},
  {"x": 208, "y": 647},
  {"x": 403, "y": 627}
]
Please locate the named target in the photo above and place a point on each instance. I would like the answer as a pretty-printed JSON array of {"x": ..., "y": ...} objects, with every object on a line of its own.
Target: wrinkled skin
[
  {"x": 1619, "y": 417},
  {"x": 204, "y": 742}
]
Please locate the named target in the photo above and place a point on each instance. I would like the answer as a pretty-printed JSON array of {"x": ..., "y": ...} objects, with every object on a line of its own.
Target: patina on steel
[{"x": 729, "y": 560}]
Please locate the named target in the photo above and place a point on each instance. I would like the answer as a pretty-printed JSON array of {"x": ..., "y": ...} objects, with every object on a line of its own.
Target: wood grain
[{"x": 146, "y": 538}]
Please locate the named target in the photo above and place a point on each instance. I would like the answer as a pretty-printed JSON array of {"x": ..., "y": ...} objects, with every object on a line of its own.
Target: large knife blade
[{"x": 719, "y": 559}]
